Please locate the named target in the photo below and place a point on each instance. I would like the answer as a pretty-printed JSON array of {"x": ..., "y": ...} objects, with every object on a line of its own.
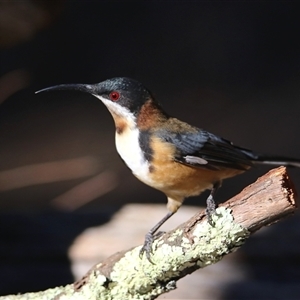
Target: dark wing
[{"x": 206, "y": 150}]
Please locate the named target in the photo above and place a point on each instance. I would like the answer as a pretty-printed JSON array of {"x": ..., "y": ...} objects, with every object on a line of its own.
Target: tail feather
[
  {"x": 278, "y": 161},
  {"x": 265, "y": 159}
]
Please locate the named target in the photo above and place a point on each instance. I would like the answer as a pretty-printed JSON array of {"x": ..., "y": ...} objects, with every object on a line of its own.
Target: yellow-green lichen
[
  {"x": 222, "y": 238},
  {"x": 175, "y": 235}
]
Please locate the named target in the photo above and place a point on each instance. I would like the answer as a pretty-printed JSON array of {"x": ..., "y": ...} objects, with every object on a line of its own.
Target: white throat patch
[
  {"x": 119, "y": 110},
  {"x": 127, "y": 142}
]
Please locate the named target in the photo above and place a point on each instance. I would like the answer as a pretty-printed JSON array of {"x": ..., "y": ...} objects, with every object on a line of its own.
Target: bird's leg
[
  {"x": 150, "y": 236},
  {"x": 211, "y": 204}
]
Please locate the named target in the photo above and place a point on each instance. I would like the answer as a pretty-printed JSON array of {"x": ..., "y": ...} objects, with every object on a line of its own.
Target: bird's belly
[{"x": 179, "y": 181}]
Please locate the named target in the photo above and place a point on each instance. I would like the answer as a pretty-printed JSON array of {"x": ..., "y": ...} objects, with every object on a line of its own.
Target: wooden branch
[{"x": 193, "y": 245}]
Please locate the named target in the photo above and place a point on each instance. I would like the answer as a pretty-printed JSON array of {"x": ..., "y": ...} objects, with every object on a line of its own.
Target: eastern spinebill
[{"x": 165, "y": 153}]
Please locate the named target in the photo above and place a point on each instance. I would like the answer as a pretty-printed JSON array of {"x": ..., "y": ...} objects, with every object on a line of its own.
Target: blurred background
[{"x": 67, "y": 200}]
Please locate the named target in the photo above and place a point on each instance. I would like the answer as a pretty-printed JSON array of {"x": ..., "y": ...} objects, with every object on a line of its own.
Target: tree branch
[{"x": 192, "y": 245}]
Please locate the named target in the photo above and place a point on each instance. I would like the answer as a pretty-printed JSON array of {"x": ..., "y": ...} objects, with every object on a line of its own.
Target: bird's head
[{"x": 124, "y": 97}]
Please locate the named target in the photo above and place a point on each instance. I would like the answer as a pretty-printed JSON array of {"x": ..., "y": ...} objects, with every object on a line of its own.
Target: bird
[{"x": 167, "y": 154}]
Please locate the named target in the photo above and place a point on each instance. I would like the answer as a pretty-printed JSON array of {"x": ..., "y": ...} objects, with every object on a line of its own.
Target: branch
[{"x": 192, "y": 245}]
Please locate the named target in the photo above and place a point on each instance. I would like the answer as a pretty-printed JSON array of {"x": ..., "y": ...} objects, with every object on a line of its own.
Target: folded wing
[{"x": 206, "y": 150}]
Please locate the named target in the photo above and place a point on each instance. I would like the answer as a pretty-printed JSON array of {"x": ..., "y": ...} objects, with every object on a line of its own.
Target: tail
[{"x": 265, "y": 159}]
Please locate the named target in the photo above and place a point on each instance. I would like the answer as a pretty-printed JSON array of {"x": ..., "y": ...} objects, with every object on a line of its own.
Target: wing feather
[{"x": 200, "y": 148}]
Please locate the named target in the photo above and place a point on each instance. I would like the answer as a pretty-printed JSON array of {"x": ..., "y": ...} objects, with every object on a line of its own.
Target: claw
[
  {"x": 147, "y": 247},
  {"x": 151, "y": 236},
  {"x": 211, "y": 204},
  {"x": 210, "y": 210}
]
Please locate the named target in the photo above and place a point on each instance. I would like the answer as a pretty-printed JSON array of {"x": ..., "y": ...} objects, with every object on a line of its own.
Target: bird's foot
[
  {"x": 211, "y": 204},
  {"x": 147, "y": 247},
  {"x": 210, "y": 209}
]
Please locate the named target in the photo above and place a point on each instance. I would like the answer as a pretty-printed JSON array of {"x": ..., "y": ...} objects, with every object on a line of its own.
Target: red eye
[{"x": 114, "y": 96}]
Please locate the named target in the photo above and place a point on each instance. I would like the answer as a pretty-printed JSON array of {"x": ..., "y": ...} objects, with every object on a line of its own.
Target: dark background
[{"x": 229, "y": 67}]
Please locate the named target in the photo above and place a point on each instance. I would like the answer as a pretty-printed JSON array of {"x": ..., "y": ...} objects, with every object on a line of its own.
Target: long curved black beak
[{"x": 87, "y": 88}]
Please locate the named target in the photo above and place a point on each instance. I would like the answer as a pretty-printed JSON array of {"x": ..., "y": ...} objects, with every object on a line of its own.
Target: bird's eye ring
[{"x": 114, "y": 96}]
